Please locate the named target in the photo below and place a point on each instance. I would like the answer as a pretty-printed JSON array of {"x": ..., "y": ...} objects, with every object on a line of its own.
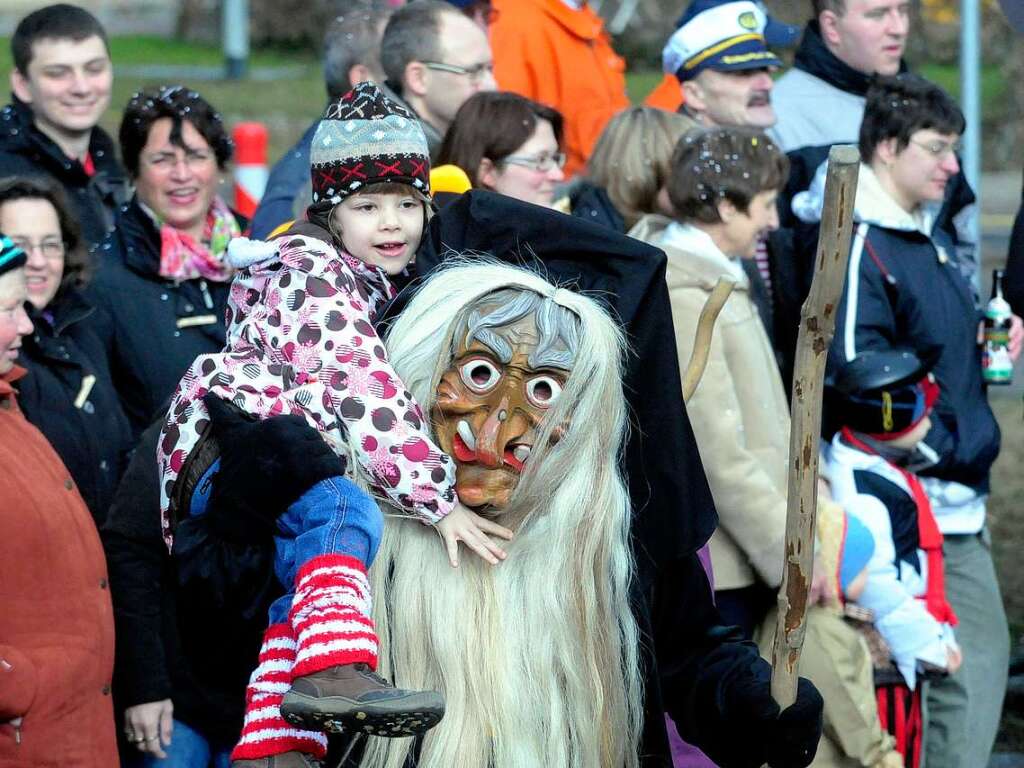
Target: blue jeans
[
  {"x": 334, "y": 517},
  {"x": 189, "y": 749}
]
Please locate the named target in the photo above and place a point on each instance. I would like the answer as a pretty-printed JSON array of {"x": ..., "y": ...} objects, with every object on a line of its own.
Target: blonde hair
[
  {"x": 537, "y": 657},
  {"x": 632, "y": 158}
]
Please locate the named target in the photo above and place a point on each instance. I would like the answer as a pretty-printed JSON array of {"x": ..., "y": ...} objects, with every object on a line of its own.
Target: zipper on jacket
[{"x": 207, "y": 299}]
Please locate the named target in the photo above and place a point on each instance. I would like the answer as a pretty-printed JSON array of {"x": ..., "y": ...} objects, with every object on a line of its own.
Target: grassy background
[{"x": 289, "y": 91}]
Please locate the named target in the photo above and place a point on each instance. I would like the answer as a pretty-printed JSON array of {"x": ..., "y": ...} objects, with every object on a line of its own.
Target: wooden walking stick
[
  {"x": 817, "y": 324},
  {"x": 702, "y": 337}
]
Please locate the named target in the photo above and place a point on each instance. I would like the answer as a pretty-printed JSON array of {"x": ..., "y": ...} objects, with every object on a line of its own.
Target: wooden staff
[
  {"x": 702, "y": 337},
  {"x": 817, "y": 324}
]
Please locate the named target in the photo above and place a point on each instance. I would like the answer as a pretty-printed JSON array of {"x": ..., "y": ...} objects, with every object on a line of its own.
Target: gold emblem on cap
[{"x": 748, "y": 20}]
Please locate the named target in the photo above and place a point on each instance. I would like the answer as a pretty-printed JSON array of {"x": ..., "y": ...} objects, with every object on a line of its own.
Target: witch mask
[{"x": 511, "y": 359}]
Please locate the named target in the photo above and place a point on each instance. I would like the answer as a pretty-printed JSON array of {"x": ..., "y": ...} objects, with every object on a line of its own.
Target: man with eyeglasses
[
  {"x": 61, "y": 85},
  {"x": 435, "y": 58},
  {"x": 558, "y": 53}
]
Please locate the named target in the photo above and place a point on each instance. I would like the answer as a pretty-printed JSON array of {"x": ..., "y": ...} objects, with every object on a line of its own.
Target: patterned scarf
[
  {"x": 182, "y": 258},
  {"x": 374, "y": 280}
]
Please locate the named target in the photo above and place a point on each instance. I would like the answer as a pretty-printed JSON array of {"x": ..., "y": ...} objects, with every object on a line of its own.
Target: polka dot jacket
[{"x": 301, "y": 341}]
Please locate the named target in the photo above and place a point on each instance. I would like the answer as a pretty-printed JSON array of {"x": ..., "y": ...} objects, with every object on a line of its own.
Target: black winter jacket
[
  {"x": 69, "y": 396},
  {"x": 906, "y": 289},
  {"x": 699, "y": 672},
  {"x": 173, "y": 642},
  {"x": 153, "y": 327},
  {"x": 27, "y": 151}
]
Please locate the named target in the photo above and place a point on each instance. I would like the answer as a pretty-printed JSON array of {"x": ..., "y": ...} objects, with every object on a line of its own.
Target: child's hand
[{"x": 465, "y": 525}]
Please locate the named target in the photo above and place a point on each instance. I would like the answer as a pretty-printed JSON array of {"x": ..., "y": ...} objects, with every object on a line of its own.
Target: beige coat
[
  {"x": 739, "y": 413},
  {"x": 837, "y": 660}
]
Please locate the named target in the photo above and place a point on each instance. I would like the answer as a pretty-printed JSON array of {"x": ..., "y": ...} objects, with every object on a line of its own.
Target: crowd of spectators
[{"x": 115, "y": 277}]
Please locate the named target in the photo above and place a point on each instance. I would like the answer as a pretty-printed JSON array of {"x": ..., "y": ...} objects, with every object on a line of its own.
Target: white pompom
[{"x": 243, "y": 252}]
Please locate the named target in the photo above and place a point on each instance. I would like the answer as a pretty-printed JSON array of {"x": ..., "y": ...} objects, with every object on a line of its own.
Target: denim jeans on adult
[
  {"x": 334, "y": 517},
  {"x": 188, "y": 749}
]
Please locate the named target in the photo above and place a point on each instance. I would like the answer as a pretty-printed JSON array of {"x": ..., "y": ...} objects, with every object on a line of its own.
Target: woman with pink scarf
[{"x": 162, "y": 280}]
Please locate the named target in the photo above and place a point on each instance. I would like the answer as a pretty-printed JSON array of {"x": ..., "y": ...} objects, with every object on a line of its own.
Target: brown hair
[
  {"x": 180, "y": 104},
  {"x": 898, "y": 106},
  {"x": 325, "y": 218},
  {"x": 632, "y": 158},
  {"x": 714, "y": 164},
  {"x": 493, "y": 124},
  {"x": 838, "y": 7},
  {"x": 53, "y": 22},
  {"x": 77, "y": 265}
]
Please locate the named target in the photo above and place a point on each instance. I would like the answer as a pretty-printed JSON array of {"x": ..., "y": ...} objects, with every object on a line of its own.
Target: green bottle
[{"x": 996, "y": 365}]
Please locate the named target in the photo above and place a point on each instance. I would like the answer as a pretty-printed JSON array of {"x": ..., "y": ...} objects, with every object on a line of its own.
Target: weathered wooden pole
[{"x": 817, "y": 324}]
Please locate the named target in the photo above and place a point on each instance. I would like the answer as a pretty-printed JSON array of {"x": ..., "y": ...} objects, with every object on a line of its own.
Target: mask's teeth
[
  {"x": 522, "y": 453},
  {"x": 466, "y": 433}
]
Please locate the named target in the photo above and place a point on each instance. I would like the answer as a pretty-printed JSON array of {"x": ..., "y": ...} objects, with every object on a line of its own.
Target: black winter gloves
[
  {"x": 763, "y": 735},
  {"x": 265, "y": 466},
  {"x": 224, "y": 558},
  {"x": 793, "y": 738}
]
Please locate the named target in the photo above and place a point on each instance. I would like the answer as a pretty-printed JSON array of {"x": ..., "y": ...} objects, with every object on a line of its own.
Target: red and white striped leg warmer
[
  {"x": 265, "y": 733},
  {"x": 330, "y": 615}
]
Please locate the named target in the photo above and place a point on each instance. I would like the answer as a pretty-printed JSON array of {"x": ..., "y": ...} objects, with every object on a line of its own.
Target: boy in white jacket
[{"x": 882, "y": 400}]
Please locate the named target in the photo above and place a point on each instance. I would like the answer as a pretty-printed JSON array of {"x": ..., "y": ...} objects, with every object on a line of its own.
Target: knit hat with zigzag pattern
[{"x": 366, "y": 138}]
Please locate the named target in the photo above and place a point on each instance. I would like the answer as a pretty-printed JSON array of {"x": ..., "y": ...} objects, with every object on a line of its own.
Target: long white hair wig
[{"x": 537, "y": 657}]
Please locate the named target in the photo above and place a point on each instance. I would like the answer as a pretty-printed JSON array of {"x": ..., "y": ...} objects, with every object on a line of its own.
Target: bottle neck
[{"x": 997, "y": 284}]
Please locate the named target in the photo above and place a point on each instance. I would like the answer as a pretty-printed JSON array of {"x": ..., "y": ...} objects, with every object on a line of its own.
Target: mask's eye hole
[
  {"x": 479, "y": 374},
  {"x": 543, "y": 391}
]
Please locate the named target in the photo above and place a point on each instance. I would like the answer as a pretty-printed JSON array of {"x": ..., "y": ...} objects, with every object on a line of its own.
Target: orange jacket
[
  {"x": 56, "y": 622},
  {"x": 666, "y": 95},
  {"x": 561, "y": 57}
]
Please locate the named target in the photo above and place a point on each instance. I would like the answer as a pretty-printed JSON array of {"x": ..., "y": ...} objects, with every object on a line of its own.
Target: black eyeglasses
[{"x": 475, "y": 74}]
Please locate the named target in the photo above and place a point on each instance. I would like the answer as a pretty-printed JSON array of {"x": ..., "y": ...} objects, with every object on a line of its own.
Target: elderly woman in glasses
[
  {"x": 509, "y": 144},
  {"x": 68, "y": 393},
  {"x": 162, "y": 280}
]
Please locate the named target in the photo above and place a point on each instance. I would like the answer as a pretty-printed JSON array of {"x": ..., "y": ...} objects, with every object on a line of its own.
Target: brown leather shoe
[
  {"x": 285, "y": 760},
  {"x": 352, "y": 697}
]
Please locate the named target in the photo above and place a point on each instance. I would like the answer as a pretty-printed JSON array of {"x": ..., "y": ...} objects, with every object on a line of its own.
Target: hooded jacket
[
  {"x": 905, "y": 287},
  {"x": 56, "y": 626},
  {"x": 152, "y": 327},
  {"x": 27, "y": 151},
  {"x": 300, "y": 340},
  {"x": 739, "y": 412},
  {"x": 561, "y": 57},
  {"x": 69, "y": 396}
]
